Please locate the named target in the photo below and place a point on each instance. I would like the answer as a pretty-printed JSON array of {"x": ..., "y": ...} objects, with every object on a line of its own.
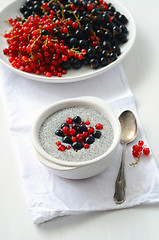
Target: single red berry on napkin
[
  {"x": 146, "y": 151},
  {"x": 141, "y": 143},
  {"x": 135, "y": 147},
  {"x": 135, "y": 154},
  {"x": 139, "y": 148}
]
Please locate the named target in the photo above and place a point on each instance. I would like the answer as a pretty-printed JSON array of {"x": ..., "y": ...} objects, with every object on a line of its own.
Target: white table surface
[{"x": 142, "y": 71}]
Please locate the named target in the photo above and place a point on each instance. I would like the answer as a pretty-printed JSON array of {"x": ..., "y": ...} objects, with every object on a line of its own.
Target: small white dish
[
  {"x": 12, "y": 10},
  {"x": 85, "y": 169}
]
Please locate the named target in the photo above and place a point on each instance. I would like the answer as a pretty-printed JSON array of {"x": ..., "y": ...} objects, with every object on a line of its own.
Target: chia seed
[{"x": 48, "y": 138}]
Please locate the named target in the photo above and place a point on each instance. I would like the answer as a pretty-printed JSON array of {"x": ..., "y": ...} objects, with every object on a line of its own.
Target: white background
[{"x": 142, "y": 72}]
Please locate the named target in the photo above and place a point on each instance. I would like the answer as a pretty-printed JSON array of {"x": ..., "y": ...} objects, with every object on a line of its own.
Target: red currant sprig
[{"x": 138, "y": 150}]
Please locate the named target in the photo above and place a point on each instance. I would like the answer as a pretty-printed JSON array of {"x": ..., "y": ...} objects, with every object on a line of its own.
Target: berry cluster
[
  {"x": 138, "y": 150},
  {"x": 53, "y": 36},
  {"x": 77, "y": 134}
]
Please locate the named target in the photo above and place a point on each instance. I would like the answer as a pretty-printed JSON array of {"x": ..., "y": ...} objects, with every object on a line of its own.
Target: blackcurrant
[
  {"x": 59, "y": 133},
  {"x": 104, "y": 61},
  {"x": 73, "y": 42},
  {"x": 77, "y": 145},
  {"x": 67, "y": 139},
  {"x": 91, "y": 51},
  {"x": 97, "y": 134},
  {"x": 66, "y": 65},
  {"x": 83, "y": 128},
  {"x": 44, "y": 32},
  {"x": 76, "y": 64},
  {"x": 90, "y": 140},
  {"x": 77, "y": 119},
  {"x": 94, "y": 62}
]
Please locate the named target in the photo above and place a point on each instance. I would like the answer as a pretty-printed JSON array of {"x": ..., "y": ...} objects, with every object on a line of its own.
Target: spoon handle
[{"x": 119, "y": 195}]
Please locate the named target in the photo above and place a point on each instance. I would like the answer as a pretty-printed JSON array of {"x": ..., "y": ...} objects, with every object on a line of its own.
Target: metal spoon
[{"x": 128, "y": 134}]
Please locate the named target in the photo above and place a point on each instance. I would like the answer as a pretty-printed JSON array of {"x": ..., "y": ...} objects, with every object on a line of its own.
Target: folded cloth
[{"x": 48, "y": 195}]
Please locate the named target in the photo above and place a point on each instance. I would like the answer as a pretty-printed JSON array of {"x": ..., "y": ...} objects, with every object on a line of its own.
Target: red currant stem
[
  {"x": 31, "y": 53},
  {"x": 46, "y": 41},
  {"x": 63, "y": 16},
  {"x": 39, "y": 62},
  {"x": 36, "y": 40},
  {"x": 95, "y": 36},
  {"x": 68, "y": 5},
  {"x": 137, "y": 160},
  {"x": 133, "y": 164},
  {"x": 57, "y": 12},
  {"x": 76, "y": 17},
  {"x": 144, "y": 146},
  {"x": 14, "y": 37},
  {"x": 54, "y": 40},
  {"x": 43, "y": 10},
  {"x": 52, "y": 1},
  {"x": 105, "y": 29},
  {"x": 74, "y": 50}
]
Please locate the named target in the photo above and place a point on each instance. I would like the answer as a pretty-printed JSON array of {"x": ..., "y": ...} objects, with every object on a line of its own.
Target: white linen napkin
[{"x": 47, "y": 195}]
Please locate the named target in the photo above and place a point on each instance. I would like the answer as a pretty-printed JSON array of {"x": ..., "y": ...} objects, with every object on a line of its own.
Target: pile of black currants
[{"x": 93, "y": 26}]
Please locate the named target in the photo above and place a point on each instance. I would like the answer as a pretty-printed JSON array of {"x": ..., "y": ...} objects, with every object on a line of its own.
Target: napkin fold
[{"x": 47, "y": 195}]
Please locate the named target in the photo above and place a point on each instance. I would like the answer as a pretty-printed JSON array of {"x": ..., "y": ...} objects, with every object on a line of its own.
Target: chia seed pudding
[{"x": 48, "y": 138}]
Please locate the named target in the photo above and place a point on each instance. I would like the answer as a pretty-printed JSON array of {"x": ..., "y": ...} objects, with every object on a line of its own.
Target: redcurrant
[
  {"x": 80, "y": 137},
  {"x": 90, "y": 130},
  {"x": 141, "y": 143},
  {"x": 146, "y": 151},
  {"x": 99, "y": 126},
  {"x": 86, "y": 145},
  {"x": 58, "y": 143},
  {"x": 135, "y": 154},
  {"x": 65, "y": 130},
  {"x": 62, "y": 148},
  {"x": 72, "y": 132},
  {"x": 69, "y": 120}
]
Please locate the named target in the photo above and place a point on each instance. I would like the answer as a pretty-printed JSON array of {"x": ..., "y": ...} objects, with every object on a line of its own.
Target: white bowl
[
  {"x": 83, "y": 169},
  {"x": 12, "y": 10}
]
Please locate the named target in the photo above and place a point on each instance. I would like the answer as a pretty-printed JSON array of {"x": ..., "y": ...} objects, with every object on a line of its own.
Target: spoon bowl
[
  {"x": 128, "y": 134},
  {"x": 128, "y": 126}
]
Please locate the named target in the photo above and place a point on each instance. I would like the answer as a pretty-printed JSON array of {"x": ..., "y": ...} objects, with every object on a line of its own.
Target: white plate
[{"x": 12, "y": 10}]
